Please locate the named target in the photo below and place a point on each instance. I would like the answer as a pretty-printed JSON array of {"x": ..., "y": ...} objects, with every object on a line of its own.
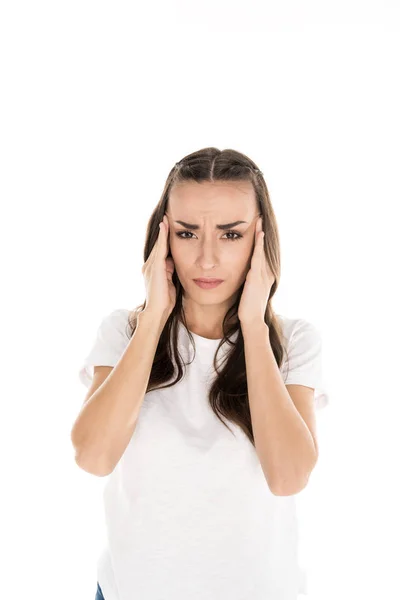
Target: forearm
[{"x": 282, "y": 439}]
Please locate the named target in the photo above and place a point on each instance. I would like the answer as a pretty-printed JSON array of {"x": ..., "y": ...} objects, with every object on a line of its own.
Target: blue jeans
[{"x": 99, "y": 593}]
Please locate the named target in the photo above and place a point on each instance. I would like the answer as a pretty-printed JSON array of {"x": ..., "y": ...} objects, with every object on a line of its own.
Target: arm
[
  {"x": 283, "y": 441},
  {"x": 108, "y": 418}
]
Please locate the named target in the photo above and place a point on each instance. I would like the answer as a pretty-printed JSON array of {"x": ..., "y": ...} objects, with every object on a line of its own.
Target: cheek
[
  {"x": 180, "y": 256},
  {"x": 235, "y": 258},
  {"x": 241, "y": 253},
  {"x": 175, "y": 248}
]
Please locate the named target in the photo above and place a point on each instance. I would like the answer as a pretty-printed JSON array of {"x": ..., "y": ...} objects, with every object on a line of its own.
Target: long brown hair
[{"x": 228, "y": 395}]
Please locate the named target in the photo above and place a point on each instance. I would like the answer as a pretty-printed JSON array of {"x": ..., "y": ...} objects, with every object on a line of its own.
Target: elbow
[
  {"x": 294, "y": 485},
  {"x": 89, "y": 461},
  {"x": 94, "y": 467},
  {"x": 289, "y": 487},
  {"x": 286, "y": 489}
]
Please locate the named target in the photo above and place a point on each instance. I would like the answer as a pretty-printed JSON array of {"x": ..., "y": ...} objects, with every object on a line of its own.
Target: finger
[
  {"x": 262, "y": 234},
  {"x": 258, "y": 228},
  {"x": 164, "y": 238},
  {"x": 160, "y": 239},
  {"x": 259, "y": 254},
  {"x": 166, "y": 224},
  {"x": 155, "y": 249},
  {"x": 166, "y": 231}
]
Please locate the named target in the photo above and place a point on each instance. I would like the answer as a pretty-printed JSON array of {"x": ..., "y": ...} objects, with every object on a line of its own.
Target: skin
[{"x": 211, "y": 252}]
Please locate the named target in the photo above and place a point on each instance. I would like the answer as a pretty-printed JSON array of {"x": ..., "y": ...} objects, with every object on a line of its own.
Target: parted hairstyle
[{"x": 228, "y": 394}]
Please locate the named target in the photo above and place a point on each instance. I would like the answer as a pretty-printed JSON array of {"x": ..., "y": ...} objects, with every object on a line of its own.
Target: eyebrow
[{"x": 225, "y": 226}]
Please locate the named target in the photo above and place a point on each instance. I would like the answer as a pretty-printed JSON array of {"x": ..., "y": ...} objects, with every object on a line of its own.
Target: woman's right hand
[{"x": 157, "y": 272}]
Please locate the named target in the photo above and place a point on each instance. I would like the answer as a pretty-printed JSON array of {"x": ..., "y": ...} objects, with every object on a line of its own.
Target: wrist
[
  {"x": 253, "y": 323},
  {"x": 256, "y": 327},
  {"x": 156, "y": 319}
]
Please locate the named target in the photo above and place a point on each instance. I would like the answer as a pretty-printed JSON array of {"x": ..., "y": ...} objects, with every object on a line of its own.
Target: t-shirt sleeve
[
  {"x": 108, "y": 346},
  {"x": 304, "y": 362}
]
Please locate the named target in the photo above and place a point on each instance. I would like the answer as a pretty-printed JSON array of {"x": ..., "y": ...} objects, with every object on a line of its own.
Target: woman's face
[{"x": 201, "y": 249}]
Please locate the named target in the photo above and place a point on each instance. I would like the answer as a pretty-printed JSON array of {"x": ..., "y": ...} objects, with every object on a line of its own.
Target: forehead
[{"x": 230, "y": 197}]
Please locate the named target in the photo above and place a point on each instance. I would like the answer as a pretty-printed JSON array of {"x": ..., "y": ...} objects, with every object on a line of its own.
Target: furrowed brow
[{"x": 225, "y": 226}]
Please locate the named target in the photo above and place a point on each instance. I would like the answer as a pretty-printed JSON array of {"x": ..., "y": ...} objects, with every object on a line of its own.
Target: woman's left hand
[{"x": 259, "y": 280}]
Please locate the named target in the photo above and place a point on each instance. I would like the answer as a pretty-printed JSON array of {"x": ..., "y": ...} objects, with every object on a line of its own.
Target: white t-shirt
[{"x": 188, "y": 511}]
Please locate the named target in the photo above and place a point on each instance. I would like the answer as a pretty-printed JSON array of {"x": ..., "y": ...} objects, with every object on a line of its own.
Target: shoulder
[
  {"x": 116, "y": 324},
  {"x": 118, "y": 316},
  {"x": 110, "y": 341},
  {"x": 297, "y": 330},
  {"x": 303, "y": 363},
  {"x": 301, "y": 338}
]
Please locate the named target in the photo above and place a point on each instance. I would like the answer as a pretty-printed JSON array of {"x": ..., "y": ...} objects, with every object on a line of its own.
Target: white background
[{"x": 98, "y": 101}]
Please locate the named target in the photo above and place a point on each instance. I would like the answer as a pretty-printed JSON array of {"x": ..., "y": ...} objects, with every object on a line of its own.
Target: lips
[{"x": 208, "y": 280}]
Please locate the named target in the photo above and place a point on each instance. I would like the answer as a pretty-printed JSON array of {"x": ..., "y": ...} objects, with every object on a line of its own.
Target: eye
[{"x": 179, "y": 234}]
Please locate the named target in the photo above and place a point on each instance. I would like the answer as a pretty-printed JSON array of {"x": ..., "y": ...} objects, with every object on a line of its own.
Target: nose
[{"x": 208, "y": 254}]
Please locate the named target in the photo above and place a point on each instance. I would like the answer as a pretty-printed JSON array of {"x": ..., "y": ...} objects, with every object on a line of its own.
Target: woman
[{"x": 201, "y": 402}]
